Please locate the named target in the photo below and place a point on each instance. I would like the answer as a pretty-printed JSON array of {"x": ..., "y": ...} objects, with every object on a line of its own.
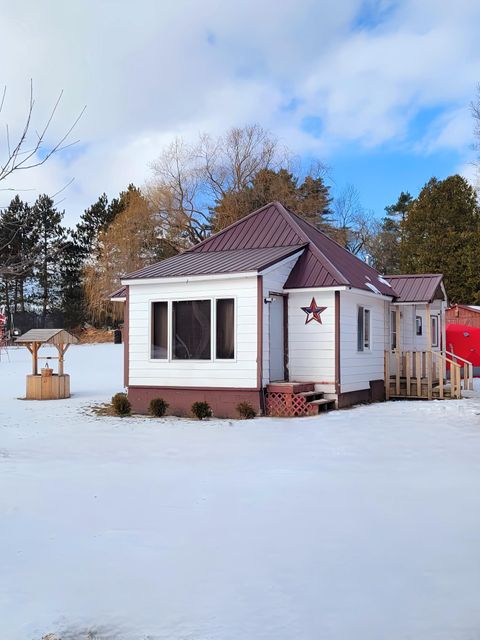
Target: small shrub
[
  {"x": 121, "y": 404},
  {"x": 201, "y": 410},
  {"x": 158, "y": 407},
  {"x": 246, "y": 411}
]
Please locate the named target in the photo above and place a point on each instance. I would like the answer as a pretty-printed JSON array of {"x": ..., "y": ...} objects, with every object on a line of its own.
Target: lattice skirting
[{"x": 286, "y": 405}]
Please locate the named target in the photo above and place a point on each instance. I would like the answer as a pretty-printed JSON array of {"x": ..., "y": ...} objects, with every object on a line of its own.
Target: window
[
  {"x": 191, "y": 330},
  {"x": 434, "y": 323},
  {"x": 225, "y": 329},
  {"x": 418, "y": 325},
  {"x": 159, "y": 337},
  {"x": 393, "y": 330},
  {"x": 363, "y": 329}
]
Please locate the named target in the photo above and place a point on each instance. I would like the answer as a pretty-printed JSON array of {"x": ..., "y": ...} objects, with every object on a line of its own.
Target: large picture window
[
  {"x": 159, "y": 347},
  {"x": 225, "y": 339},
  {"x": 191, "y": 330},
  {"x": 363, "y": 329}
]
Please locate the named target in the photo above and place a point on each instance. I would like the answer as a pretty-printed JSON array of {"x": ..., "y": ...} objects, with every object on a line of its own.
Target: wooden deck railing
[
  {"x": 467, "y": 369},
  {"x": 423, "y": 374}
]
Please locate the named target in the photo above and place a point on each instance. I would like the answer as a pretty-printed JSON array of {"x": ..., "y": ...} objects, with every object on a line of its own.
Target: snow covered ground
[{"x": 360, "y": 524}]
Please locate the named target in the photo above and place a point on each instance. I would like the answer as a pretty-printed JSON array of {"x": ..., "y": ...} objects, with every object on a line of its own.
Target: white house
[{"x": 273, "y": 312}]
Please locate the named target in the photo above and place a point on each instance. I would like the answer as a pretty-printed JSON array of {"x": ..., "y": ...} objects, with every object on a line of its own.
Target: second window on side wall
[
  {"x": 418, "y": 325},
  {"x": 363, "y": 329},
  {"x": 434, "y": 325},
  {"x": 191, "y": 329},
  {"x": 225, "y": 323}
]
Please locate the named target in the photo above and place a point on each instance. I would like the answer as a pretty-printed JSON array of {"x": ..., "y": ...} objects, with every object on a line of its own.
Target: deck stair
[
  {"x": 290, "y": 399},
  {"x": 421, "y": 394}
]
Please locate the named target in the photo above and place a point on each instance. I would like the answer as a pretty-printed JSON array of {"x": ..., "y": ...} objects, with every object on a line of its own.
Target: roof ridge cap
[{"x": 415, "y": 275}]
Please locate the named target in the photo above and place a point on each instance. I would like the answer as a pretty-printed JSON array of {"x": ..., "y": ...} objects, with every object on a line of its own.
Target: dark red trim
[
  {"x": 337, "y": 343},
  {"x": 126, "y": 332},
  {"x": 285, "y": 338},
  {"x": 259, "y": 332},
  {"x": 223, "y": 402}
]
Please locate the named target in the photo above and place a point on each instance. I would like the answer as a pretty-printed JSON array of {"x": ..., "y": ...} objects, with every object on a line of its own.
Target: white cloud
[{"x": 150, "y": 70}]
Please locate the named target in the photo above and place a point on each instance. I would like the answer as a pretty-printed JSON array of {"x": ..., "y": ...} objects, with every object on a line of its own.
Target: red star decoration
[{"x": 314, "y": 311}]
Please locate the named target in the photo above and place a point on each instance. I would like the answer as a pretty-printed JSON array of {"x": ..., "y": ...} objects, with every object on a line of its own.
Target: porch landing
[{"x": 296, "y": 399}]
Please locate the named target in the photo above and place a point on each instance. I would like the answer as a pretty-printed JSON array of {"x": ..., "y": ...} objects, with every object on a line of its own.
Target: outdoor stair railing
[{"x": 426, "y": 372}]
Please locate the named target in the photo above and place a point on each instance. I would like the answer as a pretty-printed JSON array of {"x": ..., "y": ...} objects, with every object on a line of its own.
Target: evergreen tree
[
  {"x": 399, "y": 210},
  {"x": 51, "y": 241},
  {"x": 310, "y": 199},
  {"x": 17, "y": 247},
  {"x": 384, "y": 247},
  {"x": 441, "y": 234},
  {"x": 72, "y": 297}
]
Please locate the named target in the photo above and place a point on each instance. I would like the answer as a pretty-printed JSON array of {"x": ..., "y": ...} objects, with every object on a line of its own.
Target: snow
[
  {"x": 357, "y": 524},
  {"x": 383, "y": 281},
  {"x": 372, "y": 287}
]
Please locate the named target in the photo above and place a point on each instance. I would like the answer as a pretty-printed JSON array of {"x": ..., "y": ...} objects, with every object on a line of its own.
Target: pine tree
[
  {"x": 72, "y": 297},
  {"x": 310, "y": 199},
  {"x": 17, "y": 247},
  {"x": 384, "y": 247},
  {"x": 51, "y": 241},
  {"x": 441, "y": 234}
]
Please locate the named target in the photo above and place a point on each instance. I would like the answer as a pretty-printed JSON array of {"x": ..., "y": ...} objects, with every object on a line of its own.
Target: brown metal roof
[
  {"x": 192, "y": 263},
  {"x": 324, "y": 264},
  {"x": 118, "y": 294},
  {"x": 264, "y": 237},
  {"x": 422, "y": 288}
]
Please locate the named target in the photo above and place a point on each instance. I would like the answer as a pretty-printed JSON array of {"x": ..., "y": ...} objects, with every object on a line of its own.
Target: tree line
[{"x": 198, "y": 189}]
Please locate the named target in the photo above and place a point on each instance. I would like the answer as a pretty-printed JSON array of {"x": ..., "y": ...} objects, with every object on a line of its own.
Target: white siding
[
  {"x": 311, "y": 347},
  {"x": 241, "y": 372},
  {"x": 273, "y": 282},
  {"x": 357, "y": 368},
  {"x": 409, "y": 341}
]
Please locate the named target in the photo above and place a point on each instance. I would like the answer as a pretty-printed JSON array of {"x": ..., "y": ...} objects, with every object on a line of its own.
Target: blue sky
[{"x": 378, "y": 90}]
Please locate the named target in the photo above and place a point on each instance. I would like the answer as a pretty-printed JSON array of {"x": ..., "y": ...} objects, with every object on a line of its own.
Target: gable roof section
[
  {"x": 265, "y": 237},
  {"x": 422, "y": 288},
  {"x": 216, "y": 262},
  {"x": 324, "y": 263}
]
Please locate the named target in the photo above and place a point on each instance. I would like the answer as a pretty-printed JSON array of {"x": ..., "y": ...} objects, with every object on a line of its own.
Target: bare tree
[
  {"x": 475, "y": 108},
  {"x": 22, "y": 153},
  {"x": 28, "y": 149},
  {"x": 177, "y": 191},
  {"x": 189, "y": 178},
  {"x": 354, "y": 226},
  {"x": 231, "y": 162}
]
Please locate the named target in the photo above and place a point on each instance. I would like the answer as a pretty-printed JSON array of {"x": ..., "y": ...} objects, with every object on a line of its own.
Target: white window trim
[
  {"x": 435, "y": 320},
  {"x": 393, "y": 328},
  {"x": 369, "y": 348},
  {"x": 213, "y": 329},
  {"x": 224, "y": 297}
]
